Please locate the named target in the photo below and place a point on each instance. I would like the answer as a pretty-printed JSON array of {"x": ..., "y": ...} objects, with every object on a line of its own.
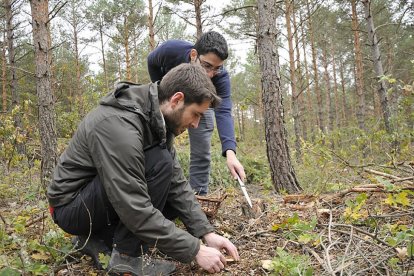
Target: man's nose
[
  {"x": 211, "y": 73},
  {"x": 195, "y": 123}
]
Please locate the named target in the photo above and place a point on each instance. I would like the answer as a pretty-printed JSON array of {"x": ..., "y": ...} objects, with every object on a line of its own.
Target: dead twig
[
  {"x": 317, "y": 257},
  {"x": 392, "y": 215},
  {"x": 3, "y": 220},
  {"x": 327, "y": 258},
  {"x": 358, "y": 248},
  {"x": 402, "y": 179},
  {"x": 381, "y": 173},
  {"x": 31, "y": 222},
  {"x": 361, "y": 231},
  {"x": 367, "y": 188},
  {"x": 346, "y": 250}
]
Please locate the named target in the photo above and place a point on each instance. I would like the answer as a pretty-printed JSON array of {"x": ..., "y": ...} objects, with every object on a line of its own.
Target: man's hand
[
  {"x": 220, "y": 243},
  {"x": 210, "y": 259},
  {"x": 235, "y": 167}
]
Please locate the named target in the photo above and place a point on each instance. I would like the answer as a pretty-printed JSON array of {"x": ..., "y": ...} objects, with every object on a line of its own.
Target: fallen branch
[
  {"x": 402, "y": 179},
  {"x": 296, "y": 198},
  {"x": 366, "y": 188},
  {"x": 393, "y": 177}
]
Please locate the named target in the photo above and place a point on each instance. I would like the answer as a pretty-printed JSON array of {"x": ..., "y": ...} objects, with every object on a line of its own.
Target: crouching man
[{"x": 118, "y": 184}]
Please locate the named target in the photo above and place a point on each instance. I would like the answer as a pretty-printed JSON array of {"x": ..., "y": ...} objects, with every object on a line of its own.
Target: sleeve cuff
[{"x": 228, "y": 148}]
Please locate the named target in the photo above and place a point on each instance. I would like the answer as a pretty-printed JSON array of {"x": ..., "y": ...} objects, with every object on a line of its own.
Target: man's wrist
[
  {"x": 203, "y": 238},
  {"x": 230, "y": 152}
]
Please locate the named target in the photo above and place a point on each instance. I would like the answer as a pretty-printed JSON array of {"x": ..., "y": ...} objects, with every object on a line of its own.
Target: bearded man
[{"x": 119, "y": 184}]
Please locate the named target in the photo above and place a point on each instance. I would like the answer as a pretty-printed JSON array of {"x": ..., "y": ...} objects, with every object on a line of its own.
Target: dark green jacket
[{"x": 110, "y": 142}]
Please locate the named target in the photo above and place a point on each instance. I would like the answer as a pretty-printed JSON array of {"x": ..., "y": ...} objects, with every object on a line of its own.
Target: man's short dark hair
[
  {"x": 212, "y": 42},
  {"x": 192, "y": 80}
]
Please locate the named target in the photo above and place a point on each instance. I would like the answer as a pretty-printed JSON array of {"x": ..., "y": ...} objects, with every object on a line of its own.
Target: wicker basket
[{"x": 210, "y": 205}]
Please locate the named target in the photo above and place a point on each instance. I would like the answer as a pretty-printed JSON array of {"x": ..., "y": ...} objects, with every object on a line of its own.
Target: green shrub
[{"x": 290, "y": 264}]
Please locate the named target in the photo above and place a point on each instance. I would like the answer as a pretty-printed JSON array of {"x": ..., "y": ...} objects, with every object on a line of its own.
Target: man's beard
[{"x": 173, "y": 121}]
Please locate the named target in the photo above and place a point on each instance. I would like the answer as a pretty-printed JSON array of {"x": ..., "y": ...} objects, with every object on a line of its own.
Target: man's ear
[
  {"x": 193, "y": 55},
  {"x": 176, "y": 99}
]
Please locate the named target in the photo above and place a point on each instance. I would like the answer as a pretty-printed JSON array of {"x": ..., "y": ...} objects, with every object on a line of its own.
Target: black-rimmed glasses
[{"x": 209, "y": 67}]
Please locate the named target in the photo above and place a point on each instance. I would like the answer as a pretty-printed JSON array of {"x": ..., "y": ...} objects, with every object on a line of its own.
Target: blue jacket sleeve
[
  {"x": 166, "y": 56},
  {"x": 224, "y": 120}
]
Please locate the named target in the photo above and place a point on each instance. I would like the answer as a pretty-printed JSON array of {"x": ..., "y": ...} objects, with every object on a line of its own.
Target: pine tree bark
[
  {"x": 4, "y": 74},
  {"x": 344, "y": 109},
  {"x": 239, "y": 122},
  {"x": 318, "y": 91},
  {"x": 118, "y": 59},
  {"x": 7, "y": 4},
  {"x": 283, "y": 174},
  {"x": 151, "y": 32},
  {"x": 47, "y": 129},
  {"x": 293, "y": 82},
  {"x": 74, "y": 21},
  {"x": 328, "y": 101},
  {"x": 379, "y": 71},
  {"x": 336, "y": 95},
  {"x": 199, "y": 23},
  {"x": 299, "y": 74},
  {"x": 126, "y": 47},
  {"x": 310, "y": 111},
  {"x": 359, "y": 70},
  {"x": 15, "y": 95},
  {"x": 101, "y": 26},
  {"x": 136, "y": 58}
]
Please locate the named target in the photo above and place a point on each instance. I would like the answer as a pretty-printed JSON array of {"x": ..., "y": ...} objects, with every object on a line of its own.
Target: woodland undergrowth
[{"x": 354, "y": 217}]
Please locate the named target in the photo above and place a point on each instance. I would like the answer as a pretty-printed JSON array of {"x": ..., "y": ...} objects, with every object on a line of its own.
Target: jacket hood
[{"x": 139, "y": 99}]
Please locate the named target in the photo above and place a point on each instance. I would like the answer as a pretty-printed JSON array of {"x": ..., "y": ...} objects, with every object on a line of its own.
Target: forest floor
[{"x": 364, "y": 230}]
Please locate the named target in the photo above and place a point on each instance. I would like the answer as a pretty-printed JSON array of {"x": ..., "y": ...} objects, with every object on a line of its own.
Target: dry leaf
[
  {"x": 227, "y": 235},
  {"x": 267, "y": 264},
  {"x": 323, "y": 211},
  {"x": 401, "y": 253},
  {"x": 40, "y": 256}
]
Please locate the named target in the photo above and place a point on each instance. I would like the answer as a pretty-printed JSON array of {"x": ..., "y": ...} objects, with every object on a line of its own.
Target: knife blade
[{"x": 243, "y": 188}]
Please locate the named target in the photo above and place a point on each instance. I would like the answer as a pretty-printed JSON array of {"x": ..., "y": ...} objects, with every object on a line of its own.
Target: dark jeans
[
  {"x": 91, "y": 211},
  {"x": 200, "y": 159}
]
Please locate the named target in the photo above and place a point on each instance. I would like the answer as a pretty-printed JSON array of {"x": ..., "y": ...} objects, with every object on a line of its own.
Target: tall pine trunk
[
  {"x": 379, "y": 71},
  {"x": 311, "y": 116},
  {"x": 360, "y": 111},
  {"x": 101, "y": 27},
  {"x": 344, "y": 110},
  {"x": 47, "y": 125},
  {"x": 293, "y": 82},
  {"x": 127, "y": 50},
  {"x": 151, "y": 32},
  {"x": 136, "y": 58},
  {"x": 15, "y": 95},
  {"x": 4, "y": 75},
  {"x": 317, "y": 89},
  {"x": 336, "y": 95},
  {"x": 300, "y": 80},
  {"x": 75, "y": 22},
  {"x": 283, "y": 174},
  {"x": 328, "y": 101},
  {"x": 199, "y": 23}
]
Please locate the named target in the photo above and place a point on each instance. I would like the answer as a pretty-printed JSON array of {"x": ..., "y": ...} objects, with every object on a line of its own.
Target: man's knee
[
  {"x": 90, "y": 208},
  {"x": 158, "y": 174}
]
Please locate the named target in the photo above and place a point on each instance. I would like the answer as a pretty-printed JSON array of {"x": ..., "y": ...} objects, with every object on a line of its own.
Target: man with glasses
[{"x": 210, "y": 51}]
